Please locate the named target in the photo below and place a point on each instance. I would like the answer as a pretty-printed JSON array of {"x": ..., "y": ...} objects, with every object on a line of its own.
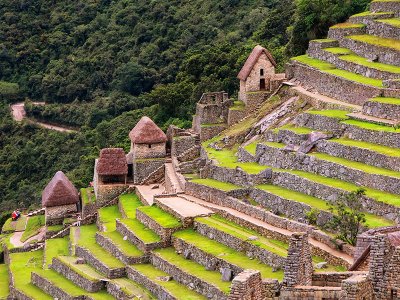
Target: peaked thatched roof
[
  {"x": 252, "y": 59},
  {"x": 112, "y": 161},
  {"x": 59, "y": 191},
  {"x": 147, "y": 132}
]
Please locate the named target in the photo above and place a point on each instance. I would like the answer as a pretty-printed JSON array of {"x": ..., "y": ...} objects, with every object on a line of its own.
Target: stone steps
[
  {"x": 351, "y": 62},
  {"x": 59, "y": 287},
  {"x": 385, "y": 28},
  {"x": 338, "y": 123},
  {"x": 158, "y": 220},
  {"x": 81, "y": 275},
  {"x": 329, "y": 189},
  {"x": 267, "y": 250},
  {"x": 122, "y": 249},
  {"x": 372, "y": 47},
  {"x": 331, "y": 166},
  {"x": 191, "y": 274},
  {"x": 388, "y": 108},
  {"x": 385, "y": 5},
  {"x": 138, "y": 234},
  {"x": 124, "y": 288},
  {"x": 160, "y": 283},
  {"x": 364, "y": 152}
]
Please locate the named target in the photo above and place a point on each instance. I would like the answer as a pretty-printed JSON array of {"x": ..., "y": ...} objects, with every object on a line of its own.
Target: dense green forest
[{"x": 100, "y": 65}]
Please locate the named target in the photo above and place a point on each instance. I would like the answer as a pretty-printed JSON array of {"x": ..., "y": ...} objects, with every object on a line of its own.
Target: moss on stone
[{"x": 338, "y": 50}]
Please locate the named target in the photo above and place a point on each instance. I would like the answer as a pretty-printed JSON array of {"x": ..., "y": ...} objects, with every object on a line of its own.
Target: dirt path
[
  {"x": 19, "y": 113},
  {"x": 15, "y": 239}
]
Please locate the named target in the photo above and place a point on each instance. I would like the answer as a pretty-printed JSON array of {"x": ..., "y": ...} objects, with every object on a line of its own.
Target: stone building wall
[
  {"x": 247, "y": 285},
  {"x": 55, "y": 215},
  {"x": 107, "y": 192},
  {"x": 143, "y": 151},
  {"x": 357, "y": 287},
  {"x": 252, "y": 83},
  {"x": 144, "y": 167}
]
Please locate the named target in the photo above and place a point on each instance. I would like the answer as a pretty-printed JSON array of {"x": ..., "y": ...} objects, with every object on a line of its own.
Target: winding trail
[{"x": 19, "y": 113}]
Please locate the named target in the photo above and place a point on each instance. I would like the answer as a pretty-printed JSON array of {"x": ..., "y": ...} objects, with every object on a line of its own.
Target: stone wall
[
  {"x": 197, "y": 284},
  {"x": 382, "y": 110},
  {"x": 163, "y": 232},
  {"x": 48, "y": 287},
  {"x": 107, "y": 192},
  {"x": 251, "y": 250},
  {"x": 247, "y": 285},
  {"x": 332, "y": 85},
  {"x": 142, "y": 151},
  {"x": 78, "y": 279},
  {"x": 245, "y": 156},
  {"x": 298, "y": 268},
  {"x": 379, "y": 6},
  {"x": 310, "y": 292},
  {"x": 320, "y": 123},
  {"x": 186, "y": 221},
  {"x": 332, "y": 278},
  {"x": 181, "y": 144},
  {"x": 384, "y": 30},
  {"x": 99, "y": 265},
  {"x": 144, "y": 167},
  {"x": 108, "y": 245},
  {"x": 253, "y": 100},
  {"x": 55, "y": 215},
  {"x": 143, "y": 246},
  {"x": 209, "y": 131},
  {"x": 234, "y": 116},
  {"x": 338, "y": 33},
  {"x": 357, "y": 287},
  {"x": 151, "y": 285},
  {"x": 384, "y": 54}
]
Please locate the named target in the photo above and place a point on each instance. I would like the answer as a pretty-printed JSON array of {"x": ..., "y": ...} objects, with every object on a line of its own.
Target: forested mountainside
[{"x": 100, "y": 65}]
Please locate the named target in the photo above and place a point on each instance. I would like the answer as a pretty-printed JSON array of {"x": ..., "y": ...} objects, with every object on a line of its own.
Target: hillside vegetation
[{"x": 101, "y": 64}]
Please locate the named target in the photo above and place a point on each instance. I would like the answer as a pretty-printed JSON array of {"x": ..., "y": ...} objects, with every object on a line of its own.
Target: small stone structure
[
  {"x": 257, "y": 76},
  {"x": 111, "y": 166},
  {"x": 247, "y": 286},
  {"x": 148, "y": 151},
  {"x": 60, "y": 198}
]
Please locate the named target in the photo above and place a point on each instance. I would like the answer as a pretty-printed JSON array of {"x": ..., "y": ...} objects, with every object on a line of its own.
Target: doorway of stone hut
[{"x": 262, "y": 84}]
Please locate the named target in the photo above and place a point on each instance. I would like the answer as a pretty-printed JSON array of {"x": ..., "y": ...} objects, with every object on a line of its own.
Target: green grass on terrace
[
  {"x": 4, "y": 290},
  {"x": 108, "y": 215},
  {"x": 371, "y": 126},
  {"x": 176, "y": 289},
  {"x": 129, "y": 203},
  {"x": 21, "y": 223},
  {"x": 133, "y": 289},
  {"x": 220, "y": 250},
  {"x": 252, "y": 147},
  {"x": 368, "y": 13},
  {"x": 87, "y": 195},
  {"x": 142, "y": 232},
  {"x": 357, "y": 165},
  {"x": 163, "y": 218},
  {"x": 85, "y": 237},
  {"x": 388, "y": 151},
  {"x": 227, "y": 158},
  {"x": 373, "y": 65},
  {"x": 378, "y": 195},
  {"x": 386, "y": 100},
  {"x": 125, "y": 246},
  {"x": 21, "y": 266},
  {"x": 338, "y": 50},
  {"x": 331, "y": 69},
  {"x": 238, "y": 105},
  {"x": 194, "y": 268},
  {"x": 394, "y": 22},
  {"x": 8, "y": 226},
  {"x": 348, "y": 25},
  {"x": 84, "y": 270},
  {"x": 54, "y": 227},
  {"x": 331, "y": 113},
  {"x": 376, "y": 41},
  {"x": 275, "y": 246},
  {"x": 220, "y": 185},
  {"x": 54, "y": 248},
  {"x": 32, "y": 227},
  {"x": 324, "y": 40},
  {"x": 372, "y": 221}
]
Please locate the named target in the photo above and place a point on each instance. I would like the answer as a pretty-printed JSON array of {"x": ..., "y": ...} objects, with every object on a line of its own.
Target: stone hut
[
  {"x": 148, "y": 151},
  {"x": 258, "y": 75},
  {"x": 112, "y": 166},
  {"x": 60, "y": 199}
]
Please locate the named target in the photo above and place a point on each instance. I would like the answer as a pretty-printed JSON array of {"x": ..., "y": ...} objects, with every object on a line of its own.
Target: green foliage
[
  {"x": 312, "y": 19},
  {"x": 312, "y": 216},
  {"x": 347, "y": 216}
]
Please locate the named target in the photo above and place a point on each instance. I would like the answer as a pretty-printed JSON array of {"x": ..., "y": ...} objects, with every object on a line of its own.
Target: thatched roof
[
  {"x": 59, "y": 191},
  {"x": 252, "y": 59},
  {"x": 147, "y": 132},
  {"x": 112, "y": 161}
]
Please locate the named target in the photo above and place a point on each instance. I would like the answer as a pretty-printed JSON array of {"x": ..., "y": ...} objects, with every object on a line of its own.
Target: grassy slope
[
  {"x": 163, "y": 218},
  {"x": 108, "y": 215},
  {"x": 145, "y": 234},
  {"x": 125, "y": 246},
  {"x": 129, "y": 203},
  {"x": 377, "y": 41},
  {"x": 4, "y": 290},
  {"x": 54, "y": 248},
  {"x": 224, "y": 186},
  {"x": 32, "y": 227}
]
